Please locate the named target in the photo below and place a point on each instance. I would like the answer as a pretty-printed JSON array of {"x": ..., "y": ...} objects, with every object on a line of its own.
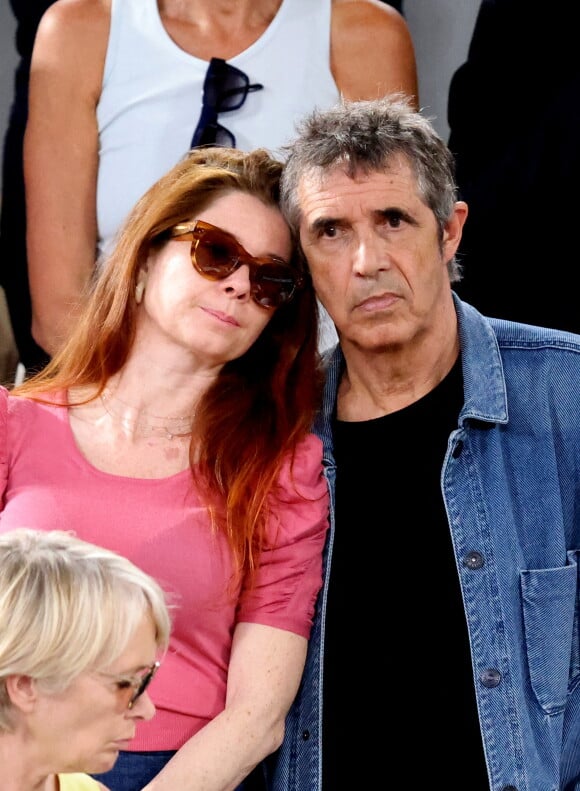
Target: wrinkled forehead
[
  {"x": 341, "y": 191},
  {"x": 322, "y": 178}
]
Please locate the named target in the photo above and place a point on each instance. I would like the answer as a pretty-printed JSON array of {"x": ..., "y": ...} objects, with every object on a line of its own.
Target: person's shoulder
[
  {"x": 70, "y": 47},
  {"x": 7, "y": 401},
  {"x": 74, "y": 21},
  {"x": 301, "y": 470},
  {"x": 76, "y": 13},
  {"x": 512, "y": 328},
  {"x": 307, "y": 456},
  {"x": 368, "y": 15},
  {"x": 15, "y": 412},
  {"x": 27, "y": 403},
  {"x": 362, "y": 71},
  {"x": 482, "y": 332},
  {"x": 520, "y": 336}
]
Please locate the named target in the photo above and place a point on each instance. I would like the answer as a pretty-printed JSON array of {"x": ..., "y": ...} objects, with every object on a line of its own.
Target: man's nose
[{"x": 370, "y": 254}]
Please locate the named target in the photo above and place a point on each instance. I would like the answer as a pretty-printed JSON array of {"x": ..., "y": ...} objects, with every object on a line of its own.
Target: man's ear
[
  {"x": 453, "y": 230},
  {"x": 22, "y": 691}
]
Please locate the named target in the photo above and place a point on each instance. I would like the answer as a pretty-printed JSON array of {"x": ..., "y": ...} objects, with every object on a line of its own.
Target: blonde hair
[{"x": 68, "y": 606}]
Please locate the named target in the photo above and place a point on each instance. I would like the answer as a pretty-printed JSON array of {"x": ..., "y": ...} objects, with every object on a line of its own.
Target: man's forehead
[
  {"x": 335, "y": 190},
  {"x": 396, "y": 163}
]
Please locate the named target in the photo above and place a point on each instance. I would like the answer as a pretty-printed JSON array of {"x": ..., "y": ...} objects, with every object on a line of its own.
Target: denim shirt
[{"x": 511, "y": 485}]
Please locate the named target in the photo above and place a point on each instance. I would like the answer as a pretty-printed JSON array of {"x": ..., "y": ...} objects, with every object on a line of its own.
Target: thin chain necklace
[{"x": 147, "y": 425}]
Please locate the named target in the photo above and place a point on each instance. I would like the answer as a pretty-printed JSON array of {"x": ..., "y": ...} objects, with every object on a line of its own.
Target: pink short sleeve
[
  {"x": 3, "y": 443},
  {"x": 290, "y": 572}
]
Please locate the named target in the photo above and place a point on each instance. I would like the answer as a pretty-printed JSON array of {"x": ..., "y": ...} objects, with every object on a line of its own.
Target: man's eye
[
  {"x": 124, "y": 684},
  {"x": 394, "y": 219},
  {"x": 329, "y": 231}
]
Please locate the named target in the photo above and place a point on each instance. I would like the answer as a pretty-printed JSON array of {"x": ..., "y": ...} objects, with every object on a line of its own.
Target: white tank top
[{"x": 151, "y": 96}]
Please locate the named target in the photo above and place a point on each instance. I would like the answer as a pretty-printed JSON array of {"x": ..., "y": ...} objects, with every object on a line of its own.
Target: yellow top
[{"x": 77, "y": 782}]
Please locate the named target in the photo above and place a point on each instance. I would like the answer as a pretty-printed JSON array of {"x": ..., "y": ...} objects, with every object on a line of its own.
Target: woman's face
[
  {"x": 211, "y": 321},
  {"x": 83, "y": 728}
]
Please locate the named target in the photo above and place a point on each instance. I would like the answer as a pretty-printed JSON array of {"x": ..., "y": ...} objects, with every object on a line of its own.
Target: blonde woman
[{"x": 82, "y": 633}]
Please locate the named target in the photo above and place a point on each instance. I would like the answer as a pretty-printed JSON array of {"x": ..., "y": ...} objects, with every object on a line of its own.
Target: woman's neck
[
  {"x": 20, "y": 768},
  {"x": 216, "y": 28}
]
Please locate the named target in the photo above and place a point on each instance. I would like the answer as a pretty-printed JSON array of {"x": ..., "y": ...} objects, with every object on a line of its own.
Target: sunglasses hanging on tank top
[{"x": 225, "y": 88}]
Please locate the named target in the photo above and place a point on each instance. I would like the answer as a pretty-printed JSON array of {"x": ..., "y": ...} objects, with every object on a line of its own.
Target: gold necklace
[{"x": 167, "y": 427}]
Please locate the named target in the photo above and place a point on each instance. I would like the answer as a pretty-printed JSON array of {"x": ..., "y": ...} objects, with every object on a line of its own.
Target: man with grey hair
[{"x": 452, "y": 452}]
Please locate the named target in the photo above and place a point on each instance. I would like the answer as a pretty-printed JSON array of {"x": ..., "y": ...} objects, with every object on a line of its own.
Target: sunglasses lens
[
  {"x": 145, "y": 681},
  {"x": 216, "y": 134},
  {"x": 215, "y": 257},
  {"x": 225, "y": 87},
  {"x": 273, "y": 285}
]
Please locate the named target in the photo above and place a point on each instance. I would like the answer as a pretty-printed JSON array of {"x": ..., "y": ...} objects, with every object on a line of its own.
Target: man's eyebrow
[
  {"x": 322, "y": 223},
  {"x": 395, "y": 212}
]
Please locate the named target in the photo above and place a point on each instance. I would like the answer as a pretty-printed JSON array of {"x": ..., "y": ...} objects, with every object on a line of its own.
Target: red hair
[{"x": 261, "y": 404}]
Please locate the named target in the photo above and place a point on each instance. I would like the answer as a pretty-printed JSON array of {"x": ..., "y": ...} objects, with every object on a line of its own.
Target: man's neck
[{"x": 378, "y": 383}]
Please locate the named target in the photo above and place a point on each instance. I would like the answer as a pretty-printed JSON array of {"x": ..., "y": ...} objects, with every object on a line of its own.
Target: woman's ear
[
  {"x": 22, "y": 691},
  {"x": 141, "y": 283}
]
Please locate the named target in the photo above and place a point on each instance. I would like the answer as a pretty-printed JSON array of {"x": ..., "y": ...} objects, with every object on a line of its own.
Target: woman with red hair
[{"x": 174, "y": 428}]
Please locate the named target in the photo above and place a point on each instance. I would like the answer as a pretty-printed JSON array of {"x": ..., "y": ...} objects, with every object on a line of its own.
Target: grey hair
[
  {"x": 363, "y": 137},
  {"x": 67, "y": 607}
]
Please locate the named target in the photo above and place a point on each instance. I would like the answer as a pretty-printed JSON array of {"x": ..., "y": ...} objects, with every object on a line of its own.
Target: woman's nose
[
  {"x": 143, "y": 708},
  {"x": 238, "y": 283}
]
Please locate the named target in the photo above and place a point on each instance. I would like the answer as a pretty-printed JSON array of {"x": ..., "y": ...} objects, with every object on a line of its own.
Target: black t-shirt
[{"x": 399, "y": 702}]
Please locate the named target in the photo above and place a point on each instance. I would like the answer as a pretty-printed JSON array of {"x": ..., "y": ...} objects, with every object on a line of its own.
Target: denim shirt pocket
[{"x": 549, "y": 609}]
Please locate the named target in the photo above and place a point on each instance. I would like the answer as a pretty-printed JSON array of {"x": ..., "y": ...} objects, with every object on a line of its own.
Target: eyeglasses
[
  {"x": 225, "y": 88},
  {"x": 215, "y": 254},
  {"x": 138, "y": 684}
]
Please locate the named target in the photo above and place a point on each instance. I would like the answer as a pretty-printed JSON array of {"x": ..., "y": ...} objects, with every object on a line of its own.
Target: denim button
[
  {"x": 305, "y": 736},
  {"x": 509, "y": 788},
  {"x": 456, "y": 453},
  {"x": 473, "y": 560},
  {"x": 490, "y": 678}
]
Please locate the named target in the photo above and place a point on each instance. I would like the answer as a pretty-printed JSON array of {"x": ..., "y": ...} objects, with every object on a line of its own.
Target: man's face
[{"x": 377, "y": 263}]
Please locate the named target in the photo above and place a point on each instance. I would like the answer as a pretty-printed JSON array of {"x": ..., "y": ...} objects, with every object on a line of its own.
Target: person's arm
[
  {"x": 60, "y": 162},
  {"x": 270, "y": 640},
  {"x": 372, "y": 52},
  {"x": 264, "y": 673}
]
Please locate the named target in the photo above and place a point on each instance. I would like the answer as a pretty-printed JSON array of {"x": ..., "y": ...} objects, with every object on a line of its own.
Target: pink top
[{"x": 162, "y": 527}]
